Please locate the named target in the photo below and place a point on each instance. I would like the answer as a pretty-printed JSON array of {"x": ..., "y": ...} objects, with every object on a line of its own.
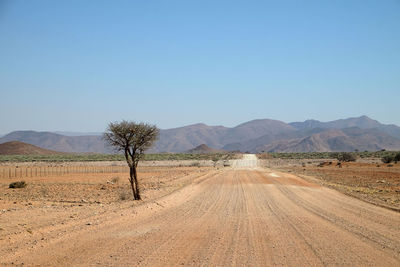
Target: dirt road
[
  {"x": 235, "y": 217},
  {"x": 248, "y": 161}
]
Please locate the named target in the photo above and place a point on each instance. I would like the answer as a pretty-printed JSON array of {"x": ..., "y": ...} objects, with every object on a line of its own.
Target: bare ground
[
  {"x": 376, "y": 183},
  {"x": 225, "y": 217}
]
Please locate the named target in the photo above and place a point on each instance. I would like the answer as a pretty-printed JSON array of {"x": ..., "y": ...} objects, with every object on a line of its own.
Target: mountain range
[{"x": 361, "y": 133}]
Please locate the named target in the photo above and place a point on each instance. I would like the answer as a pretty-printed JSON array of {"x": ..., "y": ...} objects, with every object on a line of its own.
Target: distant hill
[
  {"x": 255, "y": 129},
  {"x": 203, "y": 149},
  {"x": 77, "y": 133},
  {"x": 20, "y": 148},
  {"x": 362, "y": 122},
  {"x": 57, "y": 142},
  {"x": 360, "y": 133},
  {"x": 348, "y": 139},
  {"x": 184, "y": 138}
]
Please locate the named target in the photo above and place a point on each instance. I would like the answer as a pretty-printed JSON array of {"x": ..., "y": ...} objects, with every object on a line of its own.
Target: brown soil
[
  {"x": 193, "y": 216},
  {"x": 377, "y": 183}
]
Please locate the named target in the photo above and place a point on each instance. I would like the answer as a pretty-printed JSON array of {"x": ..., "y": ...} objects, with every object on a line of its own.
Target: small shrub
[
  {"x": 115, "y": 180},
  {"x": 387, "y": 158},
  {"x": 346, "y": 157},
  {"x": 44, "y": 191},
  {"x": 397, "y": 157},
  {"x": 264, "y": 156},
  {"x": 19, "y": 184},
  {"x": 226, "y": 163},
  {"x": 123, "y": 195},
  {"x": 333, "y": 155},
  {"x": 195, "y": 164}
]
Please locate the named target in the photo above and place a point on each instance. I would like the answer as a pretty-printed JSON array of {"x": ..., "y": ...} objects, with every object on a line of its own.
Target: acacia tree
[{"x": 133, "y": 139}]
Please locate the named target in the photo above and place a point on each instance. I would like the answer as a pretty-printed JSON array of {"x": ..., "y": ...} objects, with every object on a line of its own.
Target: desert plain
[{"x": 248, "y": 213}]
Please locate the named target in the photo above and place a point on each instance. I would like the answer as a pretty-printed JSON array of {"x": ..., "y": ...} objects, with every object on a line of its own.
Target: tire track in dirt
[
  {"x": 234, "y": 218},
  {"x": 370, "y": 233},
  {"x": 348, "y": 216},
  {"x": 353, "y": 222},
  {"x": 82, "y": 236}
]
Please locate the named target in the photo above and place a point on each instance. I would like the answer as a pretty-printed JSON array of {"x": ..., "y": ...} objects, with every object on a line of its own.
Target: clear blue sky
[{"x": 77, "y": 65}]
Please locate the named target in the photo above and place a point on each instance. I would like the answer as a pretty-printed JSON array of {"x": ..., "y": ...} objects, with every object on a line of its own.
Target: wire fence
[{"x": 41, "y": 171}]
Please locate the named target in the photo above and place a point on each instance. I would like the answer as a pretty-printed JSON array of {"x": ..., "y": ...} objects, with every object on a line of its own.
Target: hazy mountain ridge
[
  {"x": 185, "y": 138},
  {"x": 348, "y": 139},
  {"x": 362, "y": 122},
  {"x": 57, "y": 142},
  {"x": 360, "y": 133}
]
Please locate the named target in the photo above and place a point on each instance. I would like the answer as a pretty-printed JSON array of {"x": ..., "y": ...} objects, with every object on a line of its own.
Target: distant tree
[
  {"x": 133, "y": 139},
  {"x": 346, "y": 157}
]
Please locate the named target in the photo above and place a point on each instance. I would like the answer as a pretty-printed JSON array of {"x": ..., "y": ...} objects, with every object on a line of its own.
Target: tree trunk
[
  {"x": 136, "y": 183},
  {"x": 130, "y": 159},
  {"x": 132, "y": 170}
]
